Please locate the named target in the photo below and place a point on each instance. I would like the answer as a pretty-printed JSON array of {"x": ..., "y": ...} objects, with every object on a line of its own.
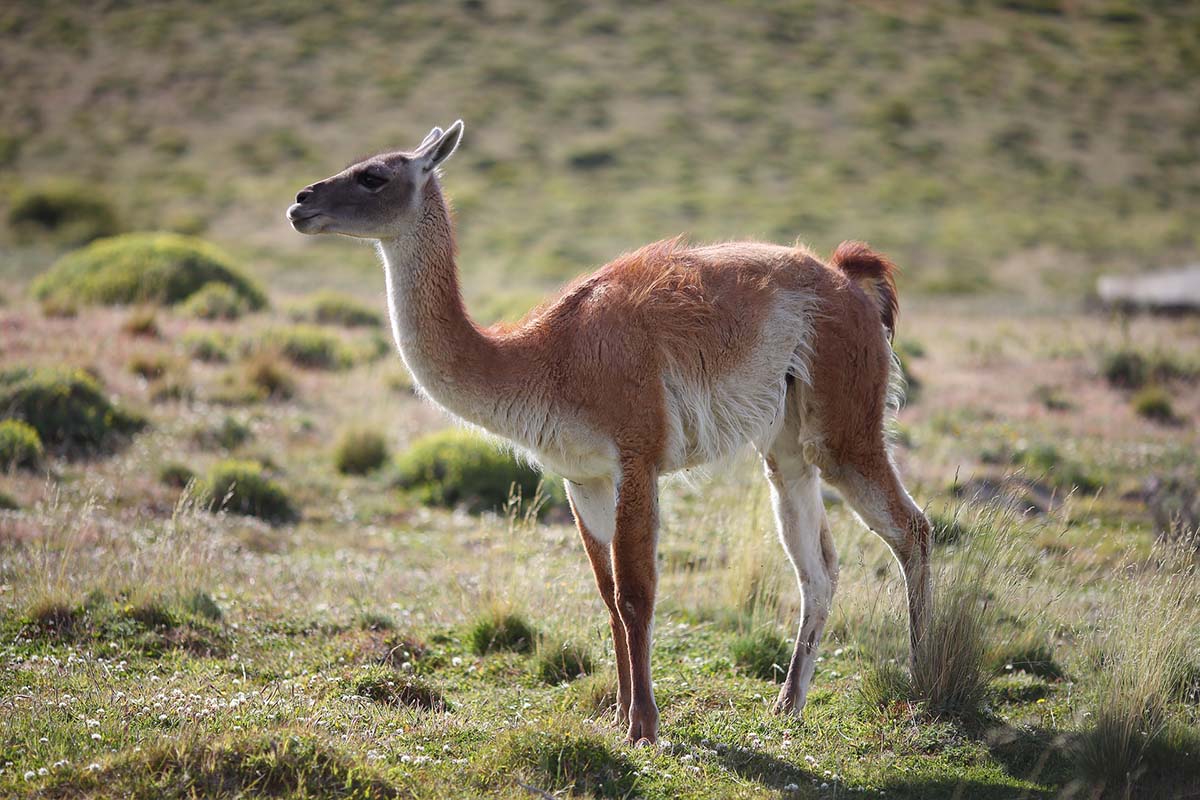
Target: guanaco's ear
[
  {"x": 436, "y": 133},
  {"x": 437, "y": 149}
]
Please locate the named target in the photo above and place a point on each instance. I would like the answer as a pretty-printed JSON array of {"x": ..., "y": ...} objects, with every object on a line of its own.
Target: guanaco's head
[{"x": 377, "y": 198}]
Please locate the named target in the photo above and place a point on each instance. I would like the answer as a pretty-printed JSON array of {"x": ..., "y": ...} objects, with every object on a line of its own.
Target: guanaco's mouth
[{"x": 302, "y": 219}]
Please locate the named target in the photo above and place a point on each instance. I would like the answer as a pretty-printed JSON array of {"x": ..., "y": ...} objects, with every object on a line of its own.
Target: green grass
[
  {"x": 500, "y": 630},
  {"x": 143, "y": 268},
  {"x": 216, "y": 300},
  {"x": 64, "y": 212},
  {"x": 335, "y": 308}
]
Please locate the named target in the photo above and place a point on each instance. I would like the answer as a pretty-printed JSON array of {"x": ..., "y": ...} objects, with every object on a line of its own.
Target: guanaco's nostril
[{"x": 304, "y": 195}]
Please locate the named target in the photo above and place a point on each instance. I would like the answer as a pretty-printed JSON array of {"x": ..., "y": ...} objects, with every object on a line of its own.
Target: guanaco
[{"x": 670, "y": 357}]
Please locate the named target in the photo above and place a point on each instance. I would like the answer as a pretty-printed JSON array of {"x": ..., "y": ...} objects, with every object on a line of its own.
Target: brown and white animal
[{"x": 669, "y": 357}]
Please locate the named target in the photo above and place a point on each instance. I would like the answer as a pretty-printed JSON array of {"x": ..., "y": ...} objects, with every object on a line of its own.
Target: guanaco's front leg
[{"x": 635, "y": 576}]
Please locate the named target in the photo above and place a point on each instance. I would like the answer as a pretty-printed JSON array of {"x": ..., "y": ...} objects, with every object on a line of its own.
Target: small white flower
[
  {"x": 791, "y": 787},
  {"x": 30, "y": 775},
  {"x": 456, "y": 661},
  {"x": 43, "y": 771},
  {"x": 93, "y": 723},
  {"x": 97, "y": 737},
  {"x": 93, "y": 767}
]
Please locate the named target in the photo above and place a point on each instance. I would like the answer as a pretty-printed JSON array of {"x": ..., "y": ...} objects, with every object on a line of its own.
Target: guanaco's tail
[{"x": 874, "y": 273}]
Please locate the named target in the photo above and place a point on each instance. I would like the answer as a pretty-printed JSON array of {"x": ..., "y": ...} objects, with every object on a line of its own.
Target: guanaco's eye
[{"x": 369, "y": 180}]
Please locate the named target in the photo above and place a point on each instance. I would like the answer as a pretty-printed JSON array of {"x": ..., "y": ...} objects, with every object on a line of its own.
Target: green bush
[
  {"x": 67, "y": 408},
  {"x": 567, "y": 758},
  {"x": 1153, "y": 403},
  {"x": 454, "y": 467},
  {"x": 216, "y": 300},
  {"x": 143, "y": 268},
  {"x": 20, "y": 445},
  {"x": 308, "y": 346},
  {"x": 242, "y": 487},
  {"x": 335, "y": 308},
  {"x": 68, "y": 213},
  {"x": 141, "y": 322},
  {"x": 501, "y": 630},
  {"x": 359, "y": 452},
  {"x": 269, "y": 378},
  {"x": 762, "y": 654}
]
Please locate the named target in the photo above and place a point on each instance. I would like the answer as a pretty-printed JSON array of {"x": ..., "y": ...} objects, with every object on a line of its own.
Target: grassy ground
[
  {"x": 152, "y": 648},
  {"x": 1003, "y": 153}
]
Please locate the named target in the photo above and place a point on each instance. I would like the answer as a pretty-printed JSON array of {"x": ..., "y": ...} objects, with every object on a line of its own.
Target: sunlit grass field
[{"x": 232, "y": 565}]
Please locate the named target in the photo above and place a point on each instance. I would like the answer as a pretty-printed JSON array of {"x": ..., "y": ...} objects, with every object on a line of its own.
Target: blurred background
[{"x": 1012, "y": 149}]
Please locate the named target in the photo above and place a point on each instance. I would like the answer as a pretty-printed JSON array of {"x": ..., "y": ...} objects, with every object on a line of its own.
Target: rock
[{"x": 1174, "y": 291}]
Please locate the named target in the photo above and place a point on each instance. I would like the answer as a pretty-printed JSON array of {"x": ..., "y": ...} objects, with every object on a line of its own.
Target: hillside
[{"x": 1023, "y": 145}]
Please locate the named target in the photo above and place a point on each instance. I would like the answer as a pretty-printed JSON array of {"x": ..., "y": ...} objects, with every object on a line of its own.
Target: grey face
[{"x": 376, "y": 198}]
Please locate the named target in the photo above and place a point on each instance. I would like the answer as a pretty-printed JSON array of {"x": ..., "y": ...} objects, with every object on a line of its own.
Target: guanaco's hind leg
[
  {"x": 596, "y": 501},
  {"x": 804, "y": 532},
  {"x": 873, "y": 489}
]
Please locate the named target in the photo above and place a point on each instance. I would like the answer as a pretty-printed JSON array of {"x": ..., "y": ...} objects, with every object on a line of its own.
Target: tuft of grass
[
  {"x": 562, "y": 661},
  {"x": 163, "y": 268},
  {"x": 1029, "y": 653},
  {"x": 143, "y": 322},
  {"x": 454, "y": 467},
  {"x": 309, "y": 346},
  {"x": 68, "y": 408},
  {"x": 388, "y": 687},
  {"x": 949, "y": 673},
  {"x": 149, "y": 366},
  {"x": 1045, "y": 462},
  {"x": 948, "y": 528},
  {"x": 229, "y": 435},
  {"x": 1154, "y": 403},
  {"x": 595, "y": 695},
  {"x": 216, "y": 301},
  {"x": 208, "y": 346},
  {"x": 203, "y": 605},
  {"x": 65, "y": 213},
  {"x": 275, "y": 764},
  {"x": 1052, "y": 398},
  {"x": 243, "y": 487},
  {"x": 8, "y": 503},
  {"x": 268, "y": 376},
  {"x": 359, "y": 452},
  {"x": 1129, "y": 368},
  {"x": 20, "y": 445},
  {"x": 885, "y": 685},
  {"x": 335, "y": 308},
  {"x": 563, "y": 757},
  {"x": 762, "y": 654},
  {"x": 499, "y": 629}
]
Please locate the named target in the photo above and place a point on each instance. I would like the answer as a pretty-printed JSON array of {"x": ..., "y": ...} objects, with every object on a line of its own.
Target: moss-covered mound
[
  {"x": 67, "y": 408},
  {"x": 143, "y": 268},
  {"x": 454, "y": 467}
]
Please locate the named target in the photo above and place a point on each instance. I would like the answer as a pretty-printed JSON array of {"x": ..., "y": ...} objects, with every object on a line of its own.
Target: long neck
[{"x": 447, "y": 354}]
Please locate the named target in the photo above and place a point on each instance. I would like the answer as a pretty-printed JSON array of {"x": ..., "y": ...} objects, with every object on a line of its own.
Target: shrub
[
  {"x": 454, "y": 467},
  {"x": 501, "y": 630},
  {"x": 335, "y": 308},
  {"x": 1047, "y": 463},
  {"x": 307, "y": 346},
  {"x": 208, "y": 346},
  {"x": 561, "y": 662},
  {"x": 7, "y": 503},
  {"x": 762, "y": 654},
  {"x": 242, "y": 487},
  {"x": 359, "y": 452},
  {"x": 163, "y": 268},
  {"x": 68, "y": 213},
  {"x": 216, "y": 300},
  {"x": 20, "y": 445},
  {"x": 148, "y": 366},
  {"x": 1153, "y": 403},
  {"x": 1030, "y": 653},
  {"x": 67, "y": 408},
  {"x": 229, "y": 435}
]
